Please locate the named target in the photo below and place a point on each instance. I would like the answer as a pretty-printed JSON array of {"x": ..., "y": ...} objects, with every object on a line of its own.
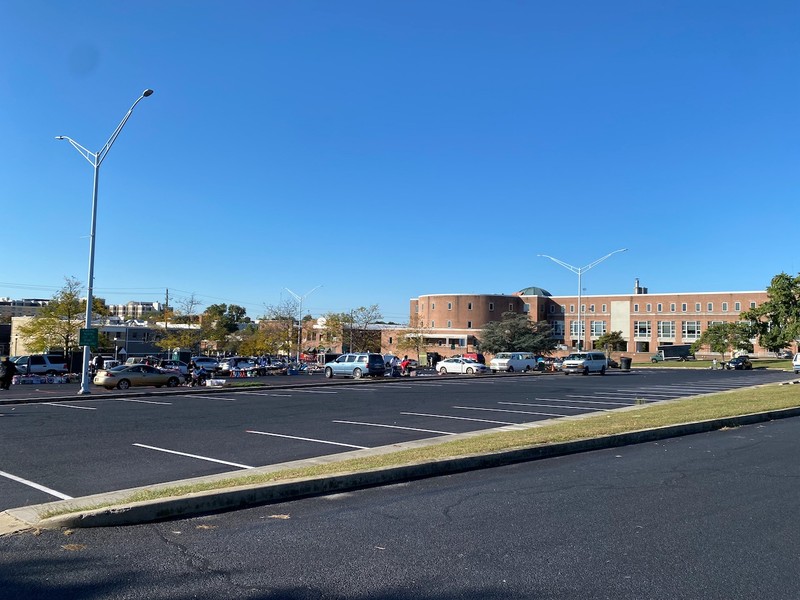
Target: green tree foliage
[
  {"x": 221, "y": 320},
  {"x": 280, "y": 327},
  {"x": 777, "y": 320},
  {"x": 726, "y": 337},
  {"x": 57, "y": 324},
  {"x": 516, "y": 332},
  {"x": 611, "y": 342},
  {"x": 353, "y": 329}
]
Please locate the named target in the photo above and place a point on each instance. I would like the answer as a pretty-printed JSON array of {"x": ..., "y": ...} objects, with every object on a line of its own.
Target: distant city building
[
  {"x": 26, "y": 307},
  {"x": 134, "y": 310}
]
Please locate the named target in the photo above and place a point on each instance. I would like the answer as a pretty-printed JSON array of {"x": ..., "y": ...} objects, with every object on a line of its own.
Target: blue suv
[{"x": 356, "y": 365}]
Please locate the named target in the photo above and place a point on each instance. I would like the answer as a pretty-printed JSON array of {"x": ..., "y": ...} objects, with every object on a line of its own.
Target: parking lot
[{"x": 67, "y": 448}]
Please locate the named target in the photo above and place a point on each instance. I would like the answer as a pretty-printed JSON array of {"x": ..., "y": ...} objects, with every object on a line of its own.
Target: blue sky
[{"x": 390, "y": 149}]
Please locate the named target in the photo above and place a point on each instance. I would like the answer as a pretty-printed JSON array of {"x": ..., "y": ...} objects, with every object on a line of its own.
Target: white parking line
[
  {"x": 639, "y": 396},
  {"x": 554, "y": 406},
  {"x": 314, "y": 391},
  {"x": 266, "y": 394},
  {"x": 457, "y": 418},
  {"x": 215, "y": 460},
  {"x": 146, "y": 401},
  {"x": 586, "y": 401},
  {"x": 212, "y": 397},
  {"x": 69, "y": 406},
  {"x": 395, "y": 427},
  {"x": 504, "y": 410},
  {"x": 41, "y": 488},
  {"x": 304, "y": 439},
  {"x": 634, "y": 392}
]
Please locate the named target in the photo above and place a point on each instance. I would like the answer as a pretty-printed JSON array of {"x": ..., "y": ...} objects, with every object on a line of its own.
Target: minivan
[
  {"x": 513, "y": 361},
  {"x": 356, "y": 365}
]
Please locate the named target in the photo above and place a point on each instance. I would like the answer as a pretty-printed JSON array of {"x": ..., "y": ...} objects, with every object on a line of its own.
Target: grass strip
[{"x": 644, "y": 416}]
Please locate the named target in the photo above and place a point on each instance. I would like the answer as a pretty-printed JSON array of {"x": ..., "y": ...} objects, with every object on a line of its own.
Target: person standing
[{"x": 7, "y": 372}]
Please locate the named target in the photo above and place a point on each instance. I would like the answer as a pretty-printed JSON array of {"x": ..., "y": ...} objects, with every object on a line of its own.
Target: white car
[
  {"x": 460, "y": 365},
  {"x": 209, "y": 363},
  {"x": 513, "y": 361},
  {"x": 585, "y": 363},
  {"x": 796, "y": 363}
]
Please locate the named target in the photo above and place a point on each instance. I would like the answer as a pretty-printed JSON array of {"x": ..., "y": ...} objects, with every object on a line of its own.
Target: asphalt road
[
  {"x": 80, "y": 446},
  {"x": 705, "y": 516}
]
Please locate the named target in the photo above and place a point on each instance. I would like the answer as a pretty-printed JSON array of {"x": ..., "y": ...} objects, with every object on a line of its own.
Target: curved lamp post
[
  {"x": 96, "y": 159},
  {"x": 580, "y": 271}
]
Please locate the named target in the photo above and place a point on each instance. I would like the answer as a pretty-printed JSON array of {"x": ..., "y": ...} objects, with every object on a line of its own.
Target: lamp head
[
  {"x": 147, "y": 93},
  {"x": 59, "y": 137}
]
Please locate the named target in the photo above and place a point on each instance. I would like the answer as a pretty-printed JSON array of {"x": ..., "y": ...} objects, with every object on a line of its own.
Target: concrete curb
[{"x": 31, "y": 517}]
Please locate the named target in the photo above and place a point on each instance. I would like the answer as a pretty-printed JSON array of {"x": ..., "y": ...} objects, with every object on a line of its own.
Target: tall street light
[
  {"x": 96, "y": 159},
  {"x": 580, "y": 271},
  {"x": 300, "y": 317}
]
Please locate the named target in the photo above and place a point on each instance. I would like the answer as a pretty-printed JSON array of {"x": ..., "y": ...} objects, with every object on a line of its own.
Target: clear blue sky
[{"x": 390, "y": 149}]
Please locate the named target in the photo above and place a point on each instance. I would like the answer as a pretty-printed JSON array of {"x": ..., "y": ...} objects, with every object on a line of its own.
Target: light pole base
[{"x": 83, "y": 392}]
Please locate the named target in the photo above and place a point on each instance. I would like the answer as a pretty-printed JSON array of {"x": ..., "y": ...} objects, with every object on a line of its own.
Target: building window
[
  {"x": 558, "y": 329},
  {"x": 591, "y": 308},
  {"x": 598, "y": 328},
  {"x": 671, "y": 307},
  {"x": 659, "y": 307},
  {"x": 583, "y": 308},
  {"x": 690, "y": 330},
  {"x": 449, "y": 324},
  {"x": 666, "y": 329},
  {"x": 724, "y": 307},
  {"x": 696, "y": 307},
  {"x": 604, "y": 309},
  {"x": 433, "y": 305},
  {"x": 649, "y": 307},
  {"x": 449, "y": 306},
  {"x": 526, "y": 308},
  {"x": 552, "y": 308},
  {"x": 563, "y": 308},
  {"x": 684, "y": 307},
  {"x": 469, "y": 305},
  {"x": 491, "y": 305},
  {"x": 752, "y": 305},
  {"x": 710, "y": 307},
  {"x": 433, "y": 324},
  {"x": 469, "y": 324},
  {"x": 737, "y": 306},
  {"x": 641, "y": 329},
  {"x": 572, "y": 308},
  {"x": 635, "y": 308},
  {"x": 573, "y": 328},
  {"x": 390, "y": 339},
  {"x": 510, "y": 306}
]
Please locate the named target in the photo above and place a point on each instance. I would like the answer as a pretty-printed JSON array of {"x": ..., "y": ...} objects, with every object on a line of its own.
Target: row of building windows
[
  {"x": 450, "y": 324},
  {"x": 469, "y": 306},
  {"x": 737, "y": 307},
  {"x": 690, "y": 330}
]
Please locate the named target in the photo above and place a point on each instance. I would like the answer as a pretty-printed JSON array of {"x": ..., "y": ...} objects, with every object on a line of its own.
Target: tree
[
  {"x": 611, "y": 342},
  {"x": 413, "y": 339},
  {"x": 516, "y": 332},
  {"x": 777, "y": 320},
  {"x": 363, "y": 337},
  {"x": 221, "y": 320},
  {"x": 282, "y": 319},
  {"x": 58, "y": 322},
  {"x": 188, "y": 309},
  {"x": 726, "y": 337}
]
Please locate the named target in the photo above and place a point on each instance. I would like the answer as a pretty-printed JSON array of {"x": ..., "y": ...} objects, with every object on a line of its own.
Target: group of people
[
  {"x": 7, "y": 372},
  {"x": 197, "y": 375},
  {"x": 400, "y": 368}
]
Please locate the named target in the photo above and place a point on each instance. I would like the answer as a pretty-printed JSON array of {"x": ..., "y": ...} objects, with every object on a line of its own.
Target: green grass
[{"x": 686, "y": 410}]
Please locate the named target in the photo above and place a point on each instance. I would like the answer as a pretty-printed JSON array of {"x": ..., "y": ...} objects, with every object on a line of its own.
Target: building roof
[{"x": 533, "y": 291}]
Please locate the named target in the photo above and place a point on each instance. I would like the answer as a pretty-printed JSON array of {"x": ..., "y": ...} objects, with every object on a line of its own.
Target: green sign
[{"x": 89, "y": 337}]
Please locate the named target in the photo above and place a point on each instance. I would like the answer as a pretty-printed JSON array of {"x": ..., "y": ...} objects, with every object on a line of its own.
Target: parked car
[
  {"x": 739, "y": 363},
  {"x": 125, "y": 376},
  {"x": 356, "y": 365},
  {"x": 585, "y": 363},
  {"x": 41, "y": 364},
  {"x": 784, "y": 354},
  {"x": 513, "y": 361},
  {"x": 460, "y": 365},
  {"x": 209, "y": 363},
  {"x": 235, "y": 363},
  {"x": 796, "y": 363},
  {"x": 173, "y": 365}
]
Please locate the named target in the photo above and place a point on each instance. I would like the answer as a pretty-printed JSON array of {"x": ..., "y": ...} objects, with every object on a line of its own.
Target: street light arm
[
  {"x": 87, "y": 154},
  {"x": 599, "y": 260},
  {"x": 107, "y": 147},
  {"x": 562, "y": 263}
]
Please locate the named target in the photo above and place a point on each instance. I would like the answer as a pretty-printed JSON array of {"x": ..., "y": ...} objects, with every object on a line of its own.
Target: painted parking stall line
[
  {"x": 591, "y": 408},
  {"x": 604, "y": 403},
  {"x": 435, "y": 416},
  {"x": 34, "y": 485},
  {"x": 395, "y": 427},
  {"x": 305, "y": 439},
  {"x": 212, "y": 398},
  {"x": 505, "y": 410},
  {"x": 197, "y": 456},
  {"x": 69, "y": 406},
  {"x": 145, "y": 401}
]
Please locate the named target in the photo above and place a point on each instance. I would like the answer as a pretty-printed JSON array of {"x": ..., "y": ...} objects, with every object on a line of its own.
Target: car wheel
[
  {"x": 585, "y": 371},
  {"x": 510, "y": 369},
  {"x": 124, "y": 384},
  {"x": 328, "y": 373},
  {"x": 173, "y": 382},
  {"x": 443, "y": 371},
  {"x": 357, "y": 373},
  {"x": 653, "y": 360},
  {"x": 602, "y": 370},
  {"x": 470, "y": 371},
  {"x": 566, "y": 372}
]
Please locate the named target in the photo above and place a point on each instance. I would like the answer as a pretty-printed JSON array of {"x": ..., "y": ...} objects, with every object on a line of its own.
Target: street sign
[{"x": 89, "y": 337}]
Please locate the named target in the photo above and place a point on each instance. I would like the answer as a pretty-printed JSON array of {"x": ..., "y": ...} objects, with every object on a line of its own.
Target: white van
[
  {"x": 513, "y": 361},
  {"x": 796, "y": 363},
  {"x": 585, "y": 363}
]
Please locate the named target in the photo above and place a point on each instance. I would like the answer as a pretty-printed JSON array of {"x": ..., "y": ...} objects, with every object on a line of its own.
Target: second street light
[
  {"x": 300, "y": 317},
  {"x": 96, "y": 159},
  {"x": 580, "y": 271}
]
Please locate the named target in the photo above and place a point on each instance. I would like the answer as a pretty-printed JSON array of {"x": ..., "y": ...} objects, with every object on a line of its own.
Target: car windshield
[
  {"x": 503, "y": 355},
  {"x": 576, "y": 357},
  {"x": 120, "y": 368}
]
